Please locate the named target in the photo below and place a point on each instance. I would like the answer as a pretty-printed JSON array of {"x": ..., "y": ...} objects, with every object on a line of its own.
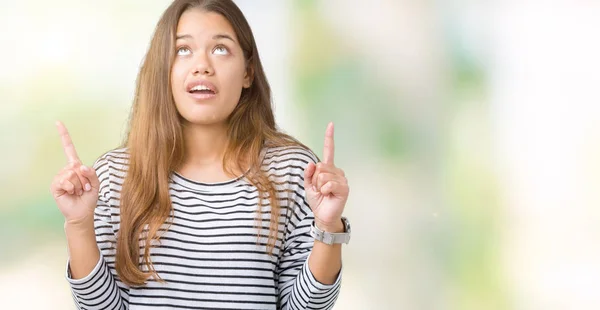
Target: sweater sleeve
[
  {"x": 101, "y": 289},
  {"x": 298, "y": 288}
]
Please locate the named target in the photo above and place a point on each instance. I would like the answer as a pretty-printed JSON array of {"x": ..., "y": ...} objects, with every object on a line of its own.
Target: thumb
[
  {"x": 90, "y": 174},
  {"x": 308, "y": 174}
]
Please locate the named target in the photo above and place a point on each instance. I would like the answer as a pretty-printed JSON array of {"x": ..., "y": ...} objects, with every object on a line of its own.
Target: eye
[
  {"x": 183, "y": 51},
  {"x": 220, "y": 50}
]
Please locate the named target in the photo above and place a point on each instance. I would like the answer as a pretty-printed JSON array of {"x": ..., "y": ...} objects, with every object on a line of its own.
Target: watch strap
[{"x": 331, "y": 238}]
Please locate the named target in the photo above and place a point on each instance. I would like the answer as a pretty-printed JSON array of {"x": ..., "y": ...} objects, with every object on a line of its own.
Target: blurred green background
[{"x": 469, "y": 132}]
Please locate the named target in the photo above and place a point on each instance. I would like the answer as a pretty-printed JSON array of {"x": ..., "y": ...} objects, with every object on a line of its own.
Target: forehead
[{"x": 199, "y": 23}]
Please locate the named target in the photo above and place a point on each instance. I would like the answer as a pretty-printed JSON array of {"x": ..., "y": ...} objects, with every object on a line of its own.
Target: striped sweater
[{"x": 210, "y": 255}]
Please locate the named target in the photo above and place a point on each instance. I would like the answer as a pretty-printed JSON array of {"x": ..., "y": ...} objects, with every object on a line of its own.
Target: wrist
[
  {"x": 331, "y": 234},
  {"x": 336, "y": 226},
  {"x": 79, "y": 226}
]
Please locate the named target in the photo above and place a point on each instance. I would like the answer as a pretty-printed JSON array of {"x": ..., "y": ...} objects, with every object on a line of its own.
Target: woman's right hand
[{"x": 75, "y": 187}]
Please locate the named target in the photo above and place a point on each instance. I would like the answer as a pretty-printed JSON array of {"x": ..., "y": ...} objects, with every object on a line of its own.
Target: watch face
[{"x": 346, "y": 224}]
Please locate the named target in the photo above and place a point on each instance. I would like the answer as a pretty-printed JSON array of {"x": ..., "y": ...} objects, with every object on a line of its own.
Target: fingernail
[
  {"x": 79, "y": 193},
  {"x": 314, "y": 188},
  {"x": 83, "y": 168},
  {"x": 87, "y": 187}
]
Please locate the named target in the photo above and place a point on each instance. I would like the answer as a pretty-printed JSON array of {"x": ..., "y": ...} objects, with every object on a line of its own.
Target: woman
[{"x": 206, "y": 204}]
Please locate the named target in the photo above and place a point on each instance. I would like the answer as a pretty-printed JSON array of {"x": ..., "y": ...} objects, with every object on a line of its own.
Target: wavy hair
[{"x": 156, "y": 146}]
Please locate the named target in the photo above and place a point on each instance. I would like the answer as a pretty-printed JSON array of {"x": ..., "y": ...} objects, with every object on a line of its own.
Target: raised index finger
[
  {"x": 67, "y": 143},
  {"x": 328, "y": 145}
]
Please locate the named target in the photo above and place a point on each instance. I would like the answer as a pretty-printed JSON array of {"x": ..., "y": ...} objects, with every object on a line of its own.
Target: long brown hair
[{"x": 156, "y": 146}]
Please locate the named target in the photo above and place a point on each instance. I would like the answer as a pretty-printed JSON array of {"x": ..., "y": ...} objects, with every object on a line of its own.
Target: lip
[
  {"x": 201, "y": 96},
  {"x": 206, "y": 83}
]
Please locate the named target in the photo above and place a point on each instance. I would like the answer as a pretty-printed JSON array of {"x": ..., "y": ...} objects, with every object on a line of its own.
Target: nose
[{"x": 202, "y": 65}]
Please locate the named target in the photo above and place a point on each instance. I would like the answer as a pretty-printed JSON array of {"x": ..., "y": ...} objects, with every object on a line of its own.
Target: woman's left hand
[{"x": 326, "y": 188}]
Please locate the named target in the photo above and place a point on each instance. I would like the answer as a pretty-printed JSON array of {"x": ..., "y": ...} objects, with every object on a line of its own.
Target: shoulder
[
  {"x": 285, "y": 165},
  {"x": 116, "y": 159},
  {"x": 289, "y": 156},
  {"x": 111, "y": 168}
]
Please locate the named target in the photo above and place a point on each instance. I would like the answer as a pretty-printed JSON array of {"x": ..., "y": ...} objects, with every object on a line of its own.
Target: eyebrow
[{"x": 215, "y": 37}]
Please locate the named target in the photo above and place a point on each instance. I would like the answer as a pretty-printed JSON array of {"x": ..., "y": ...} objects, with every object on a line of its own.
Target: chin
[
  {"x": 205, "y": 114},
  {"x": 204, "y": 120}
]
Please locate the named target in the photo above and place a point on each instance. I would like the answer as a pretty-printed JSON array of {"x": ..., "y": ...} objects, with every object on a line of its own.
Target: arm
[
  {"x": 325, "y": 260},
  {"x": 299, "y": 287},
  {"x": 83, "y": 250},
  {"x": 81, "y": 194},
  {"x": 310, "y": 273},
  {"x": 92, "y": 278}
]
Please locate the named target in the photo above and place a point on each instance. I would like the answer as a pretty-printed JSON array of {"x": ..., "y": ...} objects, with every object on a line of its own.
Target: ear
[{"x": 248, "y": 77}]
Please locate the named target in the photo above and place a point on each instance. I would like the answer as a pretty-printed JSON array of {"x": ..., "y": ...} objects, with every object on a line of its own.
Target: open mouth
[{"x": 202, "y": 90}]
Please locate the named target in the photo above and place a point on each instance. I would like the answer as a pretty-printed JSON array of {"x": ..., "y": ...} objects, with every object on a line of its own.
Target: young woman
[{"x": 206, "y": 205}]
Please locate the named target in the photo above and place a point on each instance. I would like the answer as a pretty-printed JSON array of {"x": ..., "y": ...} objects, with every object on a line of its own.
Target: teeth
[{"x": 200, "y": 87}]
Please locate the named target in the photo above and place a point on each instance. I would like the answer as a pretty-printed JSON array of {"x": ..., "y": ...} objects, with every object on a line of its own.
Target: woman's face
[{"x": 209, "y": 70}]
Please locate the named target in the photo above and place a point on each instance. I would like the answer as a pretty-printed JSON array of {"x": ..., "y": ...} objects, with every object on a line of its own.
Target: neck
[{"x": 204, "y": 145}]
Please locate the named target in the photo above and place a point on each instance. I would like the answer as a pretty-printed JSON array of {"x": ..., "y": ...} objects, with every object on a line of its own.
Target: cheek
[
  {"x": 234, "y": 72},
  {"x": 177, "y": 76}
]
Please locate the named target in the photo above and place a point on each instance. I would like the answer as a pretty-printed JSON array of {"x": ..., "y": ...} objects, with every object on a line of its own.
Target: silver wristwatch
[{"x": 331, "y": 238}]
